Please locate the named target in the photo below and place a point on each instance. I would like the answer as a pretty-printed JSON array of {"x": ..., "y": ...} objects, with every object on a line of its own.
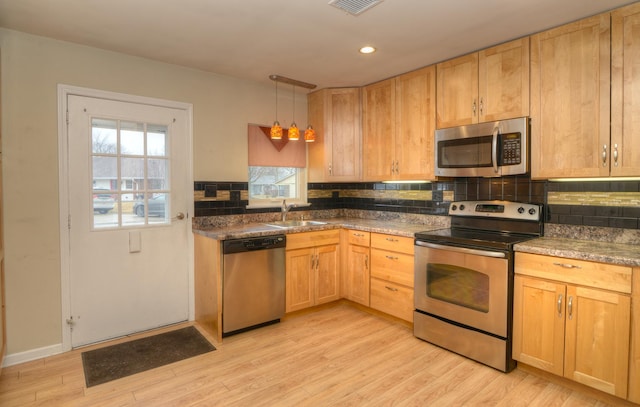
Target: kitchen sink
[{"x": 283, "y": 224}]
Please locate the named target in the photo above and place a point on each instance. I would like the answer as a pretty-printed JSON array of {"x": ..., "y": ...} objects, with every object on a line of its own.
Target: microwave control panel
[{"x": 511, "y": 144}]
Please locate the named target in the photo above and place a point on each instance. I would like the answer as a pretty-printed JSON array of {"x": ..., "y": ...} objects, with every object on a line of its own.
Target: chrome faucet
[{"x": 285, "y": 209}]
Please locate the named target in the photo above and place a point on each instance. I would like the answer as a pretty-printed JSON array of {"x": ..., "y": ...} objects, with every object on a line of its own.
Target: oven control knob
[
  {"x": 462, "y": 207},
  {"x": 454, "y": 207},
  {"x": 532, "y": 211},
  {"x": 521, "y": 210}
]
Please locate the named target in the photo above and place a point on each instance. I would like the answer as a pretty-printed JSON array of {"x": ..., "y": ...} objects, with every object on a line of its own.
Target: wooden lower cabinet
[
  {"x": 392, "y": 275},
  {"x": 356, "y": 270},
  {"x": 572, "y": 318},
  {"x": 312, "y": 269}
]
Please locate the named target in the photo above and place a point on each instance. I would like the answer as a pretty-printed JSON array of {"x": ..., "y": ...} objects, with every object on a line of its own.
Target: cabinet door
[
  {"x": 357, "y": 279},
  {"x": 299, "y": 279},
  {"x": 625, "y": 88},
  {"x": 503, "y": 81},
  {"x": 378, "y": 128},
  {"x": 597, "y": 339},
  {"x": 335, "y": 155},
  {"x": 538, "y": 323},
  {"x": 415, "y": 124},
  {"x": 327, "y": 281},
  {"x": 344, "y": 128},
  {"x": 317, "y": 152},
  {"x": 457, "y": 91},
  {"x": 570, "y": 100}
]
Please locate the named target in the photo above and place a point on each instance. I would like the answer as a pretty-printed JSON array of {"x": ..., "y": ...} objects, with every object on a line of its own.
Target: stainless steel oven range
[{"x": 464, "y": 279}]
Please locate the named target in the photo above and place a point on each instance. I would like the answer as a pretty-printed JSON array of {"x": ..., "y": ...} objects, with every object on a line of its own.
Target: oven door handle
[{"x": 464, "y": 250}]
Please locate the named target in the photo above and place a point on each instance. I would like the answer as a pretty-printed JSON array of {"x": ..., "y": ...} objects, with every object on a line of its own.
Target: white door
[{"x": 128, "y": 188}]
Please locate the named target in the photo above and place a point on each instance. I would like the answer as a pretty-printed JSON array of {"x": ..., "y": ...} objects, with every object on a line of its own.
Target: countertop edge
[
  {"x": 602, "y": 252},
  {"x": 366, "y": 225}
]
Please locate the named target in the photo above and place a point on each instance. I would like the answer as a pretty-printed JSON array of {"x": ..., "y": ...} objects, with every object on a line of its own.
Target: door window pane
[
  {"x": 104, "y": 136},
  {"x": 157, "y": 170},
  {"x": 157, "y": 141},
  {"x": 132, "y": 139},
  {"x": 130, "y": 166}
]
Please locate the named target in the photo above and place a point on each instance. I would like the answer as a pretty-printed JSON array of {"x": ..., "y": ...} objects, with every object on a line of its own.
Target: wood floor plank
[{"x": 336, "y": 354}]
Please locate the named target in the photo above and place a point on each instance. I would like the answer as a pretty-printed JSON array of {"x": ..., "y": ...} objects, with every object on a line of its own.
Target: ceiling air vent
[{"x": 354, "y": 7}]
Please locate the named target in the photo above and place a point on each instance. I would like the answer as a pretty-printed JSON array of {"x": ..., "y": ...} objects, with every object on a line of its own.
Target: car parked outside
[
  {"x": 156, "y": 206},
  {"x": 103, "y": 202}
]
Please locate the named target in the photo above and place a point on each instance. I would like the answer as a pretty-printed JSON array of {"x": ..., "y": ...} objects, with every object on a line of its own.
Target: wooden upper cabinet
[
  {"x": 457, "y": 99},
  {"x": 503, "y": 81},
  {"x": 415, "y": 124},
  {"x": 335, "y": 155},
  {"x": 378, "y": 128},
  {"x": 570, "y": 100},
  {"x": 489, "y": 85},
  {"x": 398, "y": 125},
  {"x": 625, "y": 88}
]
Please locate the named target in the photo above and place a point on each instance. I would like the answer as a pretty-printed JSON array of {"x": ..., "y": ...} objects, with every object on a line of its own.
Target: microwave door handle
[{"x": 494, "y": 149}]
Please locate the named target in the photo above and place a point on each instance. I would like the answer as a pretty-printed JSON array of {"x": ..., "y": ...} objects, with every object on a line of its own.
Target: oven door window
[
  {"x": 471, "y": 152},
  {"x": 458, "y": 285}
]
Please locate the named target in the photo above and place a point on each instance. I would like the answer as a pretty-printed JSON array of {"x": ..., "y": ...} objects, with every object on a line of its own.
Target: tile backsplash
[{"x": 603, "y": 203}]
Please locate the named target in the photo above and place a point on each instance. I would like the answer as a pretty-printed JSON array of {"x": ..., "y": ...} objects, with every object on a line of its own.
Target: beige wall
[{"x": 32, "y": 67}]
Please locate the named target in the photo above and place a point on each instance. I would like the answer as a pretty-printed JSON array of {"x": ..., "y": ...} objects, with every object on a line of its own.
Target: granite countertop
[
  {"x": 368, "y": 225},
  {"x": 603, "y": 252}
]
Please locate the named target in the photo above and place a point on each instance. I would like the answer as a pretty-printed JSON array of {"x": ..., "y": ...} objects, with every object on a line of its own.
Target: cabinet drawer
[
  {"x": 313, "y": 239},
  {"x": 358, "y": 237},
  {"x": 392, "y": 266},
  {"x": 586, "y": 273},
  {"x": 393, "y": 299},
  {"x": 393, "y": 243}
]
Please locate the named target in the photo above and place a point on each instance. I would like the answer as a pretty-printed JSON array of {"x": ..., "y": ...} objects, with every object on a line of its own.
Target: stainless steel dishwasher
[{"x": 253, "y": 282}]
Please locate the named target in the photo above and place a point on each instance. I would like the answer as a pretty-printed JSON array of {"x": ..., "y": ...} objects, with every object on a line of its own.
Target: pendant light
[
  {"x": 276, "y": 129},
  {"x": 309, "y": 134},
  {"x": 294, "y": 132}
]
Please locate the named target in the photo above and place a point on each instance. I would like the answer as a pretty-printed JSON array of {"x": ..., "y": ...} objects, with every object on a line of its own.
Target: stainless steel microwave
[{"x": 483, "y": 150}]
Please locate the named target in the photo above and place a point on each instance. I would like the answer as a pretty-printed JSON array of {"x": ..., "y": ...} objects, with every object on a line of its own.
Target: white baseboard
[{"x": 33, "y": 354}]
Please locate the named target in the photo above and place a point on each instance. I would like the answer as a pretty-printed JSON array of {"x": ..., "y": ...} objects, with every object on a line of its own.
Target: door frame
[{"x": 63, "y": 190}]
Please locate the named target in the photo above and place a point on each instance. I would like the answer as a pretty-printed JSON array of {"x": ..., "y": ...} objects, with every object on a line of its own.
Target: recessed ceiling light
[{"x": 367, "y": 49}]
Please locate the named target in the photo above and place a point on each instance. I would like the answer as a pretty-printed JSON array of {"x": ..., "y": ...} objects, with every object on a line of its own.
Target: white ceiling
[{"x": 307, "y": 40}]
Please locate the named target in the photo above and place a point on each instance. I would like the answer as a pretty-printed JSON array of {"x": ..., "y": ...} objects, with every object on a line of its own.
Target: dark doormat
[{"x": 124, "y": 359}]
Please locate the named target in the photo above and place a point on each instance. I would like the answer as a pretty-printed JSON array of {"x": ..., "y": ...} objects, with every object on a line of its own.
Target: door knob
[{"x": 179, "y": 216}]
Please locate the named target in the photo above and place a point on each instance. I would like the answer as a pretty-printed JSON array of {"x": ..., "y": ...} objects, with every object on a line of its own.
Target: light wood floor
[{"x": 333, "y": 356}]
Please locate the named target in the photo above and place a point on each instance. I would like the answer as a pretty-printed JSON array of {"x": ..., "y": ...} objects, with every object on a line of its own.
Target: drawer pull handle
[
  {"x": 390, "y": 239},
  {"x": 567, "y": 265},
  {"x": 390, "y": 288},
  {"x": 391, "y": 257},
  {"x": 358, "y": 235}
]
